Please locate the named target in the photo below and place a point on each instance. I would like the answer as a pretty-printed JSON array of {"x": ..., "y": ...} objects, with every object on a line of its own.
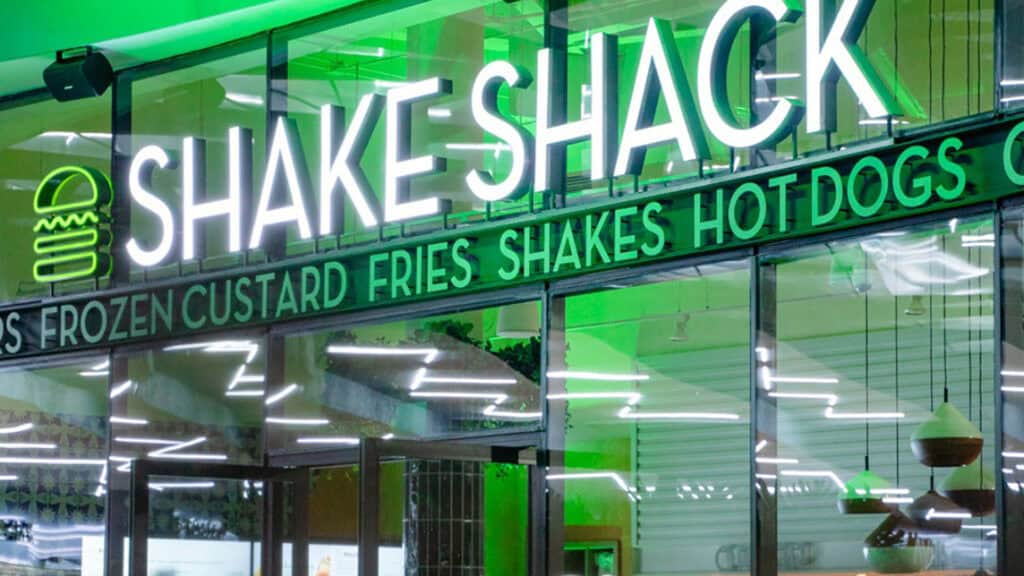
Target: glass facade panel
[
  {"x": 649, "y": 394},
  {"x": 36, "y": 139},
  {"x": 448, "y": 375},
  {"x": 453, "y": 40},
  {"x": 190, "y": 402},
  {"x": 53, "y": 468},
  {"x": 876, "y": 428},
  {"x": 202, "y": 102}
]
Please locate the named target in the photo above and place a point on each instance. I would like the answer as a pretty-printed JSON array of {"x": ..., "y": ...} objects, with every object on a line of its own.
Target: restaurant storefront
[{"x": 580, "y": 287}]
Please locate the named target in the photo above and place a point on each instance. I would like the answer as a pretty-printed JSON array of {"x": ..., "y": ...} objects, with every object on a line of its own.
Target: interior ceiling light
[
  {"x": 599, "y": 376},
  {"x": 493, "y": 411},
  {"x": 429, "y": 354},
  {"x": 632, "y": 398},
  {"x": 16, "y": 428},
  {"x": 520, "y": 320},
  {"x": 628, "y": 414}
]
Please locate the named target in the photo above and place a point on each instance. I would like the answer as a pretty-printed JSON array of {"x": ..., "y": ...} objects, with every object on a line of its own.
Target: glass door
[{"x": 204, "y": 519}]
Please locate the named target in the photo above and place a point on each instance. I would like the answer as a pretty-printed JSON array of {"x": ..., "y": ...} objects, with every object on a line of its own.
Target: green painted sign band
[{"x": 818, "y": 195}]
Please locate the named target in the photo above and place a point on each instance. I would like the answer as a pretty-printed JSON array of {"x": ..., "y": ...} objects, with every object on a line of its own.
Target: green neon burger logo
[{"x": 72, "y": 237}]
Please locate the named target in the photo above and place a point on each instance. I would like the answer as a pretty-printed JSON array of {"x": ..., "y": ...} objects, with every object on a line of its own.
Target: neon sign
[
  {"x": 71, "y": 240},
  {"x": 660, "y": 76}
]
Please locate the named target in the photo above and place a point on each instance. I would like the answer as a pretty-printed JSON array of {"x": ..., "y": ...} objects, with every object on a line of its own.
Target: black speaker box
[{"x": 80, "y": 76}]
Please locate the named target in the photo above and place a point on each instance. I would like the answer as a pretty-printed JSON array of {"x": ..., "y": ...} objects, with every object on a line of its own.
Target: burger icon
[{"x": 72, "y": 234}]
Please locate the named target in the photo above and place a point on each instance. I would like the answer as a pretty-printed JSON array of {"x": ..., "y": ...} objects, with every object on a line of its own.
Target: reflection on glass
[
  {"x": 875, "y": 366},
  {"x": 650, "y": 386},
  {"x": 437, "y": 376},
  {"x": 36, "y": 139},
  {"x": 52, "y": 468},
  {"x": 193, "y": 402},
  {"x": 202, "y": 102},
  {"x": 342, "y": 65}
]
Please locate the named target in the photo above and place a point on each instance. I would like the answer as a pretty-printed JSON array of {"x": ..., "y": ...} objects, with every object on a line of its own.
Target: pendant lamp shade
[
  {"x": 973, "y": 488},
  {"x": 933, "y": 513},
  {"x": 946, "y": 439},
  {"x": 520, "y": 320},
  {"x": 863, "y": 495},
  {"x": 895, "y": 548}
]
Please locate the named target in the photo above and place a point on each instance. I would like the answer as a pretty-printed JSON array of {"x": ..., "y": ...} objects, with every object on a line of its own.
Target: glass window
[
  {"x": 1011, "y": 470},
  {"x": 448, "y": 375},
  {"x": 198, "y": 401},
  {"x": 53, "y": 468},
  {"x": 202, "y": 101},
  {"x": 37, "y": 139},
  {"x": 453, "y": 40},
  {"x": 876, "y": 444},
  {"x": 935, "y": 59},
  {"x": 649, "y": 395}
]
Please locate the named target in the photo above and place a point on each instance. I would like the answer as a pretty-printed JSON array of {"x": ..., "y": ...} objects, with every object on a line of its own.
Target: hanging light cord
[
  {"x": 867, "y": 374},
  {"x": 896, "y": 362},
  {"x": 931, "y": 341},
  {"x": 945, "y": 356}
]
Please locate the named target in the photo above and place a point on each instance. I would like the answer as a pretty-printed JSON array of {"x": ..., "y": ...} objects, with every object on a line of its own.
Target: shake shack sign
[
  {"x": 839, "y": 191},
  {"x": 834, "y": 191}
]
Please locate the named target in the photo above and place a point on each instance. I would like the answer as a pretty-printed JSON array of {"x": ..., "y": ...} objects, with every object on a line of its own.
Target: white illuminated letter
[
  {"x": 284, "y": 150},
  {"x": 837, "y": 56},
  {"x": 602, "y": 125},
  {"x": 344, "y": 167},
  {"x": 484, "y": 104},
  {"x": 711, "y": 76},
  {"x": 194, "y": 181},
  {"x": 140, "y": 175},
  {"x": 659, "y": 64},
  {"x": 398, "y": 166}
]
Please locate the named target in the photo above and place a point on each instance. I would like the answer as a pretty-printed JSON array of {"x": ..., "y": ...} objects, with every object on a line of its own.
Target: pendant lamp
[
  {"x": 973, "y": 487},
  {"x": 895, "y": 548},
  {"x": 946, "y": 439},
  {"x": 864, "y": 493},
  {"x": 935, "y": 514},
  {"x": 932, "y": 513},
  {"x": 520, "y": 320}
]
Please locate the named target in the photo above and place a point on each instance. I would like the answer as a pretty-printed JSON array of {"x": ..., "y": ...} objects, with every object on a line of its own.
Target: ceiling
[{"x": 131, "y": 32}]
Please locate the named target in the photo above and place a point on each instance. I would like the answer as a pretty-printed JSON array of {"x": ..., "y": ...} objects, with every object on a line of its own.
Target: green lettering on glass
[
  {"x": 716, "y": 224},
  {"x": 506, "y": 245},
  {"x": 852, "y": 189},
  {"x": 68, "y": 326},
  {"x": 653, "y": 226},
  {"x": 782, "y": 183},
  {"x": 245, "y": 309},
  {"x": 139, "y": 318},
  {"x": 542, "y": 255},
  {"x": 335, "y": 295},
  {"x": 162, "y": 311},
  {"x": 376, "y": 283},
  {"x": 435, "y": 271},
  {"x": 186, "y": 307},
  {"x": 286, "y": 302},
  {"x": 624, "y": 241},
  {"x": 952, "y": 167},
  {"x": 922, "y": 183},
  {"x": 401, "y": 271},
  {"x": 1011, "y": 160},
  {"x": 94, "y": 315},
  {"x": 568, "y": 252},
  {"x": 463, "y": 262},
  {"x": 116, "y": 332},
  {"x": 735, "y": 225},
  {"x": 817, "y": 217},
  {"x": 310, "y": 294},
  {"x": 593, "y": 239},
  {"x": 264, "y": 281}
]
